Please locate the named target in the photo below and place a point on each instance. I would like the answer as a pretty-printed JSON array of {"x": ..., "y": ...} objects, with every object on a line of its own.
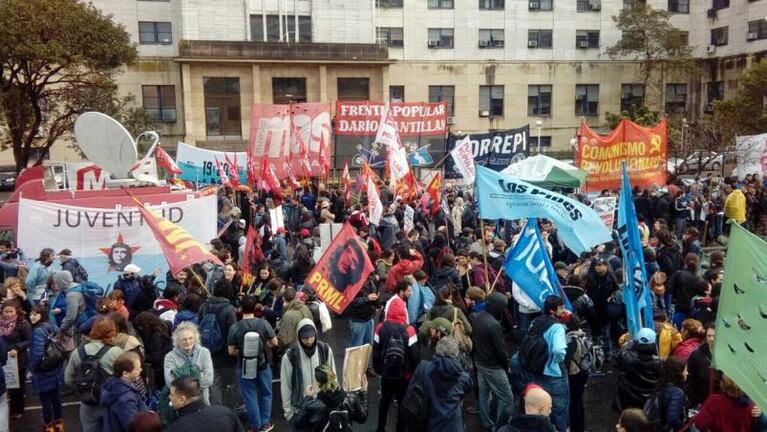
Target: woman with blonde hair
[
  {"x": 326, "y": 398},
  {"x": 189, "y": 357}
]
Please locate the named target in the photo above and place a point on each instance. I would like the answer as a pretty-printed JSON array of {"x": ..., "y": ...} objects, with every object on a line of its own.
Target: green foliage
[
  {"x": 642, "y": 116},
  {"x": 57, "y": 59}
]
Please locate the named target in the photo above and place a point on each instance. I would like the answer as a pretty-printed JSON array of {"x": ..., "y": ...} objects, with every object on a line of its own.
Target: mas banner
[
  {"x": 291, "y": 134},
  {"x": 529, "y": 266},
  {"x": 342, "y": 270},
  {"x": 752, "y": 155},
  {"x": 412, "y": 118},
  {"x": 494, "y": 150},
  {"x": 741, "y": 321},
  {"x": 104, "y": 241},
  {"x": 503, "y": 197},
  {"x": 643, "y": 149},
  {"x": 200, "y": 165}
]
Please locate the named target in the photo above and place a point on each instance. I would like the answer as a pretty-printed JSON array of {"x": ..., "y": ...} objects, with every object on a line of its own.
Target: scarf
[{"x": 7, "y": 326}]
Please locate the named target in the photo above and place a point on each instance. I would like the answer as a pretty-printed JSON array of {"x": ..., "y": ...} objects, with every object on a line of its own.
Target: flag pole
[
  {"x": 498, "y": 276},
  {"x": 484, "y": 253}
]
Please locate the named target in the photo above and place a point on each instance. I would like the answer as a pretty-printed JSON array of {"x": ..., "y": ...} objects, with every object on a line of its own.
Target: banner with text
[
  {"x": 291, "y": 133},
  {"x": 198, "y": 165},
  {"x": 644, "y": 149},
  {"x": 412, "y": 118},
  {"x": 494, "y": 150},
  {"x": 107, "y": 240}
]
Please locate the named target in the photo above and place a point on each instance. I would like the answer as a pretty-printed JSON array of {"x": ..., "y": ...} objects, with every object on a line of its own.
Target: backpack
[
  {"x": 592, "y": 355},
  {"x": 251, "y": 352},
  {"x": 210, "y": 332},
  {"x": 338, "y": 421},
  {"x": 91, "y": 292},
  {"x": 534, "y": 352},
  {"x": 459, "y": 333},
  {"x": 415, "y": 406},
  {"x": 54, "y": 353},
  {"x": 394, "y": 356},
  {"x": 90, "y": 376}
]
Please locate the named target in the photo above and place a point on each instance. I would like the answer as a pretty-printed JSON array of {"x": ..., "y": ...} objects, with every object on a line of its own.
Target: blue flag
[
  {"x": 503, "y": 197},
  {"x": 636, "y": 295},
  {"x": 529, "y": 266}
]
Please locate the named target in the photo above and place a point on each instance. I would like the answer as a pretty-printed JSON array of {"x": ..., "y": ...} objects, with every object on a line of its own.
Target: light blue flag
[
  {"x": 529, "y": 266},
  {"x": 503, "y": 197},
  {"x": 636, "y": 295}
]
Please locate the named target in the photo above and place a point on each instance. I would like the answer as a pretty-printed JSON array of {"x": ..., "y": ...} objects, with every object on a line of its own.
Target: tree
[
  {"x": 58, "y": 58},
  {"x": 660, "y": 47},
  {"x": 641, "y": 115}
]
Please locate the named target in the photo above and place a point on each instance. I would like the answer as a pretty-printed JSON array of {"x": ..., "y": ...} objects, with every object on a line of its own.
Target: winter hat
[
  {"x": 63, "y": 279},
  {"x": 132, "y": 268},
  {"x": 646, "y": 336}
]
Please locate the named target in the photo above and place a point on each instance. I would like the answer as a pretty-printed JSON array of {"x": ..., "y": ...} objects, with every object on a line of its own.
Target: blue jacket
[
  {"x": 48, "y": 380},
  {"x": 121, "y": 402},
  {"x": 557, "y": 343},
  {"x": 447, "y": 383},
  {"x": 131, "y": 288},
  {"x": 674, "y": 409},
  {"x": 420, "y": 301},
  {"x": 185, "y": 315}
]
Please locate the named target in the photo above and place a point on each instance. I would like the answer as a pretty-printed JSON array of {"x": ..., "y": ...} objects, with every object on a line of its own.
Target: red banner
[
  {"x": 412, "y": 118},
  {"x": 644, "y": 150},
  {"x": 342, "y": 270},
  {"x": 281, "y": 132}
]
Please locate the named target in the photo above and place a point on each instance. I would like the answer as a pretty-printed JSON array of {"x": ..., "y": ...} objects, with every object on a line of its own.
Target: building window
[
  {"x": 720, "y": 4},
  {"x": 588, "y": 5},
  {"x": 714, "y": 91},
  {"x": 160, "y": 102},
  {"x": 757, "y": 30},
  {"x": 491, "y": 38},
  {"x": 545, "y": 142},
  {"x": 491, "y": 100},
  {"x": 539, "y": 38},
  {"x": 304, "y": 28},
  {"x": 719, "y": 36},
  {"x": 632, "y": 95},
  {"x": 587, "y": 100},
  {"x": 679, "y": 6},
  {"x": 440, "y": 4},
  {"x": 545, "y": 5},
  {"x": 631, "y": 4},
  {"x": 587, "y": 39},
  {"x": 676, "y": 97},
  {"x": 288, "y": 90},
  {"x": 270, "y": 31},
  {"x": 272, "y": 28},
  {"x": 444, "y": 93},
  {"x": 397, "y": 93},
  {"x": 387, "y": 4},
  {"x": 440, "y": 38},
  {"x": 392, "y": 37},
  {"x": 155, "y": 33},
  {"x": 353, "y": 89},
  {"x": 491, "y": 4},
  {"x": 257, "y": 28},
  {"x": 539, "y": 100},
  {"x": 222, "y": 107}
]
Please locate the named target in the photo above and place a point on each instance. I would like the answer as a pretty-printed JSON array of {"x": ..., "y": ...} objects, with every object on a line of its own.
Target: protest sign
[
  {"x": 412, "y": 118},
  {"x": 494, "y": 150},
  {"x": 11, "y": 370},
  {"x": 355, "y": 367},
  {"x": 463, "y": 159}
]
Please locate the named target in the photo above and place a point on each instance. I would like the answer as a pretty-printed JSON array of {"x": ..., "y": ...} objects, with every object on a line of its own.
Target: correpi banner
[
  {"x": 198, "y": 165},
  {"x": 643, "y": 149},
  {"x": 412, "y": 118},
  {"x": 494, "y": 150},
  {"x": 104, "y": 241}
]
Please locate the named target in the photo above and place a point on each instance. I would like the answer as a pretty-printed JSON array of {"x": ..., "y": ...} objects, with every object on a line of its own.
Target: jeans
[
  {"x": 362, "y": 332},
  {"x": 679, "y": 227},
  {"x": 716, "y": 228},
  {"x": 51, "y": 404},
  {"x": 222, "y": 392},
  {"x": 390, "y": 389},
  {"x": 559, "y": 390},
  {"x": 523, "y": 324},
  {"x": 257, "y": 393},
  {"x": 90, "y": 417},
  {"x": 493, "y": 383},
  {"x": 4, "y": 415},
  {"x": 577, "y": 412}
]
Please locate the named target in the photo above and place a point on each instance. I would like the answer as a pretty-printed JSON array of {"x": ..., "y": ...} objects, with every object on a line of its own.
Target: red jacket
[
  {"x": 395, "y": 312},
  {"x": 721, "y": 413},
  {"x": 685, "y": 348},
  {"x": 403, "y": 268}
]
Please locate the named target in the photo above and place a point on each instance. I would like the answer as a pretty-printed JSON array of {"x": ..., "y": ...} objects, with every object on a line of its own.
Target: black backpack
[
  {"x": 534, "y": 352},
  {"x": 90, "y": 376},
  {"x": 54, "y": 353},
  {"x": 414, "y": 410},
  {"x": 394, "y": 356}
]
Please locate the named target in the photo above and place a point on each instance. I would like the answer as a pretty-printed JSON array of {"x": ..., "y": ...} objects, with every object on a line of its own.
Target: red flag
[
  {"x": 365, "y": 173},
  {"x": 434, "y": 191},
  {"x": 342, "y": 270},
  {"x": 223, "y": 175},
  {"x": 253, "y": 254},
  {"x": 180, "y": 249},
  {"x": 234, "y": 170},
  {"x": 347, "y": 179},
  {"x": 304, "y": 151},
  {"x": 292, "y": 174},
  {"x": 252, "y": 171},
  {"x": 324, "y": 160},
  {"x": 165, "y": 161},
  {"x": 407, "y": 188}
]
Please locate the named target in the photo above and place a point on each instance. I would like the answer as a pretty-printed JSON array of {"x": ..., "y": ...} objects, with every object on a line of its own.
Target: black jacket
[
  {"x": 600, "y": 288},
  {"x": 444, "y": 276},
  {"x": 684, "y": 285},
  {"x": 198, "y": 417},
  {"x": 638, "y": 366},
  {"x": 700, "y": 375},
  {"x": 669, "y": 260},
  {"x": 490, "y": 349},
  {"x": 529, "y": 423},
  {"x": 362, "y": 309},
  {"x": 314, "y": 413}
]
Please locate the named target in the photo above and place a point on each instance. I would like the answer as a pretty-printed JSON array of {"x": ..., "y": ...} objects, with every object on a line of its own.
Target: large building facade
[{"x": 498, "y": 63}]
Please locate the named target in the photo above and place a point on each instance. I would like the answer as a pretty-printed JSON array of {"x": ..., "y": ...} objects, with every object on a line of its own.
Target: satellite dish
[{"x": 106, "y": 143}]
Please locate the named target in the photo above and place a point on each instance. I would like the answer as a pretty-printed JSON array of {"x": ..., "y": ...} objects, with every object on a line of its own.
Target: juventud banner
[
  {"x": 643, "y": 149},
  {"x": 412, "y": 118}
]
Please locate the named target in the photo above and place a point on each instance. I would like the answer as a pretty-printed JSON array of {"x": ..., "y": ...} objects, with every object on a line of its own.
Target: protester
[
  {"x": 155, "y": 339},
  {"x": 39, "y": 273},
  {"x": 730, "y": 411},
  {"x": 48, "y": 377},
  {"x": 189, "y": 357},
  {"x": 295, "y": 312},
  {"x": 119, "y": 397},
  {"x": 702, "y": 378},
  {"x": 17, "y": 335},
  {"x": 633, "y": 420},
  {"x": 331, "y": 408},
  {"x": 217, "y": 316},
  {"x": 194, "y": 414},
  {"x": 75, "y": 269},
  {"x": 4, "y": 409},
  {"x": 638, "y": 366},
  {"x": 537, "y": 408}
]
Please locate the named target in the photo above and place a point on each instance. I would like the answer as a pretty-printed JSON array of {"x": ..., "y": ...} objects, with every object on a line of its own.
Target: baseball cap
[
  {"x": 440, "y": 324},
  {"x": 646, "y": 336},
  {"x": 132, "y": 268},
  {"x": 66, "y": 252},
  {"x": 600, "y": 260}
]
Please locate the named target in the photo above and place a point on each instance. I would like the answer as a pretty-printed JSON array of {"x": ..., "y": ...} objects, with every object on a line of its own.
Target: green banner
[{"x": 740, "y": 346}]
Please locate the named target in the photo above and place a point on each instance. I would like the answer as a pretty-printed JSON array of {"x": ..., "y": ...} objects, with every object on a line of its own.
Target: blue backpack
[
  {"x": 91, "y": 292},
  {"x": 210, "y": 332}
]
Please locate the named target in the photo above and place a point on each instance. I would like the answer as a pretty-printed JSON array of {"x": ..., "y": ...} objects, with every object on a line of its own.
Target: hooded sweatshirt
[
  {"x": 396, "y": 321},
  {"x": 121, "y": 402},
  {"x": 293, "y": 382},
  {"x": 448, "y": 384},
  {"x": 490, "y": 349}
]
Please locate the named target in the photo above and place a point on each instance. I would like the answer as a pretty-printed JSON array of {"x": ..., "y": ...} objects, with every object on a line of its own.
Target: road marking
[{"x": 38, "y": 407}]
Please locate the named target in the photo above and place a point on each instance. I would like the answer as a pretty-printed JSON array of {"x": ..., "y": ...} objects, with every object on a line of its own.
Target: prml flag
[
  {"x": 342, "y": 270},
  {"x": 464, "y": 159},
  {"x": 636, "y": 295},
  {"x": 528, "y": 264}
]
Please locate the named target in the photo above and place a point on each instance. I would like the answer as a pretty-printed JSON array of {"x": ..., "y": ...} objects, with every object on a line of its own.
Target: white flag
[
  {"x": 398, "y": 166},
  {"x": 464, "y": 159},
  {"x": 387, "y": 130},
  {"x": 409, "y": 216},
  {"x": 375, "y": 206}
]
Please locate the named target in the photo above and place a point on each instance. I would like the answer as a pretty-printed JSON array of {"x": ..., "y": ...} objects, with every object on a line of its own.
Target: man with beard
[
  {"x": 39, "y": 273},
  {"x": 346, "y": 265},
  {"x": 298, "y": 364},
  {"x": 120, "y": 256}
]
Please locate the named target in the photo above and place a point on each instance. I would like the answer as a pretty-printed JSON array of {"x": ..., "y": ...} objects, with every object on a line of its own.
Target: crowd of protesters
[{"x": 451, "y": 335}]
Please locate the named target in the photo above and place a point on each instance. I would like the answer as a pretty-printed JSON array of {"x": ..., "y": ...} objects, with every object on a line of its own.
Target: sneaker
[{"x": 267, "y": 427}]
